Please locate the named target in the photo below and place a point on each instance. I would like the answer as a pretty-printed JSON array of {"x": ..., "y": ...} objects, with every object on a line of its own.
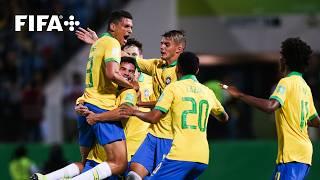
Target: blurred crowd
[{"x": 28, "y": 60}]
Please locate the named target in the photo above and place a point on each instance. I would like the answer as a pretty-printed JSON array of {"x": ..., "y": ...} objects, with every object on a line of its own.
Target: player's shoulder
[{"x": 108, "y": 40}]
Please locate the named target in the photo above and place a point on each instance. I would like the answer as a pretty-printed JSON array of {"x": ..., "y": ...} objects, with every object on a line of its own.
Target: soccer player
[
  {"x": 294, "y": 110},
  {"x": 102, "y": 80},
  {"x": 189, "y": 109},
  {"x": 135, "y": 129},
  {"x": 159, "y": 139},
  {"x": 126, "y": 96}
]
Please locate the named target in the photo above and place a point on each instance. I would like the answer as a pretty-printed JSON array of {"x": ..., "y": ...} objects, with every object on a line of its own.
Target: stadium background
[{"x": 238, "y": 42}]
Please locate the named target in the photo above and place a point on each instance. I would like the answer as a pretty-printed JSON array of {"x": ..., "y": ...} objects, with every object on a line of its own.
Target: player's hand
[
  {"x": 88, "y": 36},
  {"x": 233, "y": 91},
  {"x": 92, "y": 118},
  {"x": 81, "y": 109},
  {"x": 135, "y": 85},
  {"x": 124, "y": 54},
  {"x": 127, "y": 110}
]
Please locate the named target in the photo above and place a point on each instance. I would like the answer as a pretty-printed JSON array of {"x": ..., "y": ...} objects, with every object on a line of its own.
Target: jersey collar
[
  {"x": 294, "y": 73},
  {"x": 105, "y": 34},
  {"x": 189, "y": 76},
  {"x": 174, "y": 63}
]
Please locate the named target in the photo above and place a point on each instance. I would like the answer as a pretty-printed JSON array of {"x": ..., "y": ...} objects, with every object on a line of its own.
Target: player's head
[
  {"x": 133, "y": 48},
  {"x": 127, "y": 68},
  {"x": 188, "y": 64},
  {"x": 120, "y": 25},
  {"x": 172, "y": 44},
  {"x": 295, "y": 55}
]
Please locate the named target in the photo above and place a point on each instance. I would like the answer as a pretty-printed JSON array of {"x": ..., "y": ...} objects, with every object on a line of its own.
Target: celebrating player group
[{"x": 147, "y": 118}]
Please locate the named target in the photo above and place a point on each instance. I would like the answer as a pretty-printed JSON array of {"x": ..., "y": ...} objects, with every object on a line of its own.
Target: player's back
[
  {"x": 297, "y": 108},
  {"x": 190, "y": 109},
  {"x": 99, "y": 90}
]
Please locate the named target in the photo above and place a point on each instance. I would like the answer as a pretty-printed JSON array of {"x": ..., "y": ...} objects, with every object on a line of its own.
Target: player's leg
[
  {"x": 86, "y": 139},
  {"x": 292, "y": 170},
  {"x": 180, "y": 170},
  {"x": 142, "y": 162},
  {"x": 111, "y": 136}
]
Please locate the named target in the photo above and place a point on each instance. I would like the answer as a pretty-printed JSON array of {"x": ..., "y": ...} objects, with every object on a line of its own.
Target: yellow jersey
[
  {"x": 135, "y": 129},
  {"x": 297, "y": 107},
  {"x": 190, "y": 109},
  {"x": 162, "y": 75},
  {"x": 127, "y": 96},
  {"x": 99, "y": 90}
]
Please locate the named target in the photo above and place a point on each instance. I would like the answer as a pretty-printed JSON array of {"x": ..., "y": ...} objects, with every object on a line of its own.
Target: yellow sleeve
[
  {"x": 280, "y": 92},
  {"x": 112, "y": 49},
  {"x": 313, "y": 112},
  {"x": 165, "y": 100},
  {"x": 128, "y": 97},
  {"x": 217, "y": 108},
  {"x": 146, "y": 65}
]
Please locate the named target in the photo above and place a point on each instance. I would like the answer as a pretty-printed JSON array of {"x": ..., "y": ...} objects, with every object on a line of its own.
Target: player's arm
[
  {"x": 265, "y": 105},
  {"x": 113, "y": 115},
  {"x": 222, "y": 117},
  {"x": 314, "y": 122},
  {"x": 152, "y": 117},
  {"x": 112, "y": 73},
  {"x": 149, "y": 104}
]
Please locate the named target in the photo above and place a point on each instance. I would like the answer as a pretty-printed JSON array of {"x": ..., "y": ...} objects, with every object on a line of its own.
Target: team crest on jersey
[
  {"x": 168, "y": 80},
  {"x": 146, "y": 93}
]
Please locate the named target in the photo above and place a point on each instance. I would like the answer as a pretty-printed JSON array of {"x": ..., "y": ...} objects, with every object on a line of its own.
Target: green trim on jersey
[
  {"x": 174, "y": 63},
  {"x": 277, "y": 99},
  {"x": 141, "y": 77},
  {"x": 189, "y": 76},
  {"x": 313, "y": 117},
  {"x": 112, "y": 59},
  {"x": 105, "y": 34},
  {"x": 294, "y": 73},
  {"x": 161, "y": 109}
]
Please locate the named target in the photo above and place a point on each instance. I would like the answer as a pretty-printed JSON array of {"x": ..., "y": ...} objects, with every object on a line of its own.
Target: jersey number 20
[{"x": 197, "y": 108}]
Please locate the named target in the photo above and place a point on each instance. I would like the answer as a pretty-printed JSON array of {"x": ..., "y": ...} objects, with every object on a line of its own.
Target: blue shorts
[
  {"x": 173, "y": 169},
  {"x": 91, "y": 164},
  {"x": 103, "y": 132},
  {"x": 151, "y": 152},
  {"x": 292, "y": 170}
]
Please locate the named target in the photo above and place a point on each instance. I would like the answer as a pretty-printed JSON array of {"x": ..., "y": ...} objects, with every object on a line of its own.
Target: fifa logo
[{"x": 44, "y": 22}]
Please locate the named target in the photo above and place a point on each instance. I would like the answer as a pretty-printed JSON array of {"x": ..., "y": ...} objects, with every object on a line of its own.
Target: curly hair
[
  {"x": 296, "y": 54},
  {"x": 189, "y": 63}
]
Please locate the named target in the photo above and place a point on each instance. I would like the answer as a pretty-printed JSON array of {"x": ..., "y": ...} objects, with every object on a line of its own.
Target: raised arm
[{"x": 86, "y": 35}]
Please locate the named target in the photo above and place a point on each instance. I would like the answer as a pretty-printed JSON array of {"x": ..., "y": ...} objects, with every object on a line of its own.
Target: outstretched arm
[
  {"x": 152, "y": 117},
  {"x": 264, "y": 105}
]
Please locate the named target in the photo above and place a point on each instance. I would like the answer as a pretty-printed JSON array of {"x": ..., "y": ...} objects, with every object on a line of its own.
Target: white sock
[
  {"x": 66, "y": 172},
  {"x": 101, "y": 171},
  {"x": 133, "y": 176}
]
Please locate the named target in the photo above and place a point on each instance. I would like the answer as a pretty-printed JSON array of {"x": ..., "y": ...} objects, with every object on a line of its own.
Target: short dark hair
[
  {"x": 133, "y": 42},
  {"x": 188, "y": 63},
  {"x": 127, "y": 59},
  {"x": 178, "y": 36},
  {"x": 296, "y": 54},
  {"x": 116, "y": 17}
]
